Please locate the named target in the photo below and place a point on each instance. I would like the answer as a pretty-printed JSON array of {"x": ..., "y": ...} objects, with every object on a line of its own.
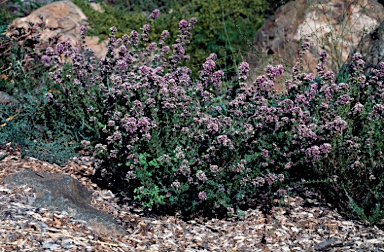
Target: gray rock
[
  {"x": 334, "y": 25},
  {"x": 62, "y": 20},
  {"x": 63, "y": 193},
  {"x": 327, "y": 244},
  {"x": 371, "y": 47}
]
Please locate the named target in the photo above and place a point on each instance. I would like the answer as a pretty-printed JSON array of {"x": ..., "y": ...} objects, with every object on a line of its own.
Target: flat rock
[{"x": 63, "y": 193}]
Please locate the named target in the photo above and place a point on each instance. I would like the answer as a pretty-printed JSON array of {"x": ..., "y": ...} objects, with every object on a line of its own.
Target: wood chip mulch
[{"x": 296, "y": 227}]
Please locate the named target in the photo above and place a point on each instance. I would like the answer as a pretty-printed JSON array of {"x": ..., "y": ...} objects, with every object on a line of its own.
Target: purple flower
[
  {"x": 270, "y": 178},
  {"x": 134, "y": 37},
  {"x": 176, "y": 185},
  {"x": 329, "y": 76},
  {"x": 201, "y": 175},
  {"x": 49, "y": 51},
  {"x": 313, "y": 152},
  {"x": 325, "y": 148},
  {"x": 183, "y": 24},
  {"x": 324, "y": 106},
  {"x": 356, "y": 57},
  {"x": 288, "y": 165},
  {"x": 323, "y": 55},
  {"x": 122, "y": 64},
  {"x": 381, "y": 69},
  {"x": 49, "y": 97},
  {"x": 243, "y": 68},
  {"x": 117, "y": 135},
  {"x": 265, "y": 153},
  {"x": 343, "y": 86},
  {"x": 68, "y": 43},
  {"x": 164, "y": 35},
  {"x": 213, "y": 168},
  {"x": 337, "y": 125},
  {"x": 301, "y": 99},
  {"x": 202, "y": 195},
  {"x": 273, "y": 72},
  {"x": 130, "y": 175},
  {"x": 123, "y": 50},
  {"x": 309, "y": 77},
  {"x": 111, "y": 123},
  {"x": 378, "y": 110},
  {"x": 155, "y": 14},
  {"x": 225, "y": 141},
  {"x": 343, "y": 99},
  {"x": 152, "y": 47},
  {"x": 180, "y": 50},
  {"x": 306, "y": 45},
  {"x": 129, "y": 124},
  {"x": 146, "y": 28},
  {"x": 85, "y": 143},
  {"x": 259, "y": 181},
  {"x": 113, "y": 29},
  {"x": 46, "y": 59},
  {"x": 213, "y": 127},
  {"x": 59, "y": 48},
  {"x": 144, "y": 124},
  {"x": 145, "y": 70},
  {"x": 209, "y": 66},
  {"x": 83, "y": 30},
  {"x": 179, "y": 153},
  {"x": 165, "y": 49}
]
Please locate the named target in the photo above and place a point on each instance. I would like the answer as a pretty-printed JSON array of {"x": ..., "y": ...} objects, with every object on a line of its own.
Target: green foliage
[
  {"x": 21, "y": 66},
  {"x": 27, "y": 127},
  {"x": 226, "y": 28},
  {"x": 100, "y": 23},
  {"x": 38, "y": 131}
]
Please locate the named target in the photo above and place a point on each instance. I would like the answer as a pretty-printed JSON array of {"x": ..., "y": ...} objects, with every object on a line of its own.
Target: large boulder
[
  {"x": 61, "y": 20},
  {"x": 371, "y": 47},
  {"x": 334, "y": 25}
]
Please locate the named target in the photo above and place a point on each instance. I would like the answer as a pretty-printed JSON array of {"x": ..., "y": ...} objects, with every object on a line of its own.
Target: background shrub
[{"x": 225, "y": 27}]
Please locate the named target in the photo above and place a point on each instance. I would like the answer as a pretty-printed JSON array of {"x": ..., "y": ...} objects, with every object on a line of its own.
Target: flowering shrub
[
  {"x": 355, "y": 166},
  {"x": 172, "y": 142},
  {"x": 155, "y": 133},
  {"x": 343, "y": 124}
]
